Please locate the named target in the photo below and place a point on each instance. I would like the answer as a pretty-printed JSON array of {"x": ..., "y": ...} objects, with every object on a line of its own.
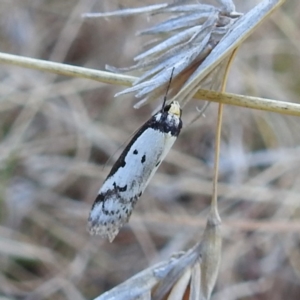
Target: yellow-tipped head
[{"x": 174, "y": 108}]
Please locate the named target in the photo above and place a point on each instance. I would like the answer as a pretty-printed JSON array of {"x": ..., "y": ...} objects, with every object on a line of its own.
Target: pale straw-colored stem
[
  {"x": 214, "y": 202},
  {"x": 282, "y": 107}
]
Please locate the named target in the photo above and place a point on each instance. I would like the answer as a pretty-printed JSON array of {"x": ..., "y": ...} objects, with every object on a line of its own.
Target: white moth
[{"x": 133, "y": 170}]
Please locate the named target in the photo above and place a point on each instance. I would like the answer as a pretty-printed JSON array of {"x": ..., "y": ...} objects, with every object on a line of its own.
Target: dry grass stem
[
  {"x": 212, "y": 239},
  {"x": 270, "y": 105},
  {"x": 208, "y": 35}
]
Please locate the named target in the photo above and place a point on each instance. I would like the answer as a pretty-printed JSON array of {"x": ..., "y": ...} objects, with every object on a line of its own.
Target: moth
[{"x": 133, "y": 170}]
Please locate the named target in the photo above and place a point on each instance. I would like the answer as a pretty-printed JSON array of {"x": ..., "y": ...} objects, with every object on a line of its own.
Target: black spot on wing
[
  {"x": 122, "y": 189},
  {"x": 135, "y": 152},
  {"x": 162, "y": 125},
  {"x": 143, "y": 159},
  {"x": 119, "y": 188}
]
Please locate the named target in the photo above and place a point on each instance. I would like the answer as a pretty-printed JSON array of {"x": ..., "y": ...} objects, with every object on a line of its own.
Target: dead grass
[{"x": 58, "y": 132}]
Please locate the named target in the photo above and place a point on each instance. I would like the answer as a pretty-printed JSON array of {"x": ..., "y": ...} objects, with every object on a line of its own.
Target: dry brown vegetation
[{"x": 57, "y": 134}]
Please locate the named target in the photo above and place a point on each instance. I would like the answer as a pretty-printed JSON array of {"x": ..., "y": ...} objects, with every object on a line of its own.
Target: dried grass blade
[
  {"x": 211, "y": 246},
  {"x": 195, "y": 286},
  {"x": 204, "y": 8},
  {"x": 179, "y": 289},
  {"x": 177, "y": 23},
  {"x": 136, "y": 286},
  {"x": 242, "y": 29},
  {"x": 126, "y": 12},
  {"x": 170, "y": 42}
]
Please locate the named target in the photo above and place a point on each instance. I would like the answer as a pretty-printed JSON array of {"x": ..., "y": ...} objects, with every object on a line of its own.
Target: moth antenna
[{"x": 169, "y": 84}]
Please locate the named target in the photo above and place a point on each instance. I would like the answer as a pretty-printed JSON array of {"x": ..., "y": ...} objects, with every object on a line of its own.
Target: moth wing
[{"x": 121, "y": 190}]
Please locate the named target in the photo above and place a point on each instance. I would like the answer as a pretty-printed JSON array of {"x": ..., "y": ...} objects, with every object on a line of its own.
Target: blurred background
[{"x": 57, "y": 133}]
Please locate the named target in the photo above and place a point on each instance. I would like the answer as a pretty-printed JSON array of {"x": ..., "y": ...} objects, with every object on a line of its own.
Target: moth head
[{"x": 173, "y": 108}]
